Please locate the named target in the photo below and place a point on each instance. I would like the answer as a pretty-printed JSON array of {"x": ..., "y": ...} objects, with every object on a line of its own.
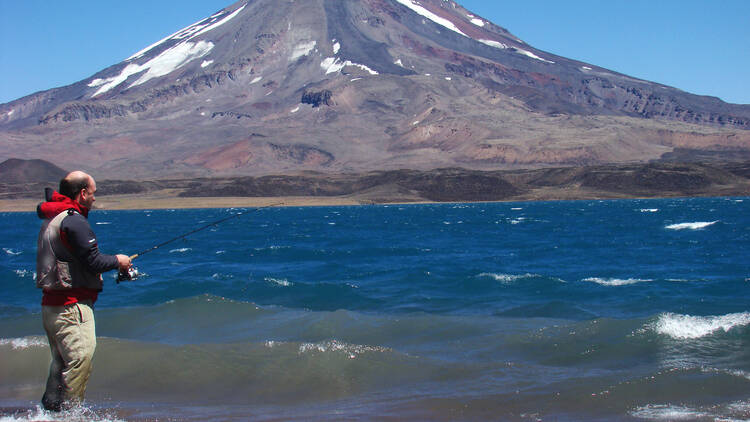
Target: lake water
[{"x": 568, "y": 311}]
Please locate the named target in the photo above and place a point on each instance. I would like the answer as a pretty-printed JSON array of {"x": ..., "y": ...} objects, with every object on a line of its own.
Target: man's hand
[{"x": 124, "y": 262}]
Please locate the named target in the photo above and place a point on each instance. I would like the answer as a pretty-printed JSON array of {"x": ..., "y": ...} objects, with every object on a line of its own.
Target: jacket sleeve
[{"x": 84, "y": 246}]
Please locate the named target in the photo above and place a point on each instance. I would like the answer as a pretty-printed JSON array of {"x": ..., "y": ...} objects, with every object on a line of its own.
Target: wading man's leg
[{"x": 72, "y": 337}]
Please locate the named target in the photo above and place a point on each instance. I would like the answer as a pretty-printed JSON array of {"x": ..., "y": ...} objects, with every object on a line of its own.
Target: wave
[
  {"x": 508, "y": 278},
  {"x": 615, "y": 281},
  {"x": 278, "y": 281},
  {"x": 25, "y": 273},
  {"x": 686, "y": 327},
  {"x": 271, "y": 248},
  {"x": 735, "y": 411},
  {"x": 274, "y": 370},
  {"x": 181, "y": 250},
  {"x": 24, "y": 343},
  {"x": 11, "y": 252},
  {"x": 649, "y": 210},
  {"x": 691, "y": 226},
  {"x": 352, "y": 351},
  {"x": 668, "y": 412}
]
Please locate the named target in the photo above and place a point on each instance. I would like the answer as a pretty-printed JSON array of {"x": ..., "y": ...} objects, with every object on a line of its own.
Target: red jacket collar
[{"x": 57, "y": 204}]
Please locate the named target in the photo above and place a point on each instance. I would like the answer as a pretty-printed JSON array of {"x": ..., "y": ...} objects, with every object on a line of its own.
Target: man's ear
[{"x": 79, "y": 197}]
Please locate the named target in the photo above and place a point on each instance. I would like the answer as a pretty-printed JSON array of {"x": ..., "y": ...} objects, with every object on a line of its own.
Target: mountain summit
[{"x": 269, "y": 86}]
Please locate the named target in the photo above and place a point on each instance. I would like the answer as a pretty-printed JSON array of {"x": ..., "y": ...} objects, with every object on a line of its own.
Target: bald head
[{"x": 72, "y": 184}]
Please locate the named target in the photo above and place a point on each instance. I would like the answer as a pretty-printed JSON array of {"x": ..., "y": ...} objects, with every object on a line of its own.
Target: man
[{"x": 69, "y": 267}]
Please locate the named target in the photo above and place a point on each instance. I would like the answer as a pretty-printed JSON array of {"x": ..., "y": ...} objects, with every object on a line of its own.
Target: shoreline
[
  {"x": 156, "y": 202},
  {"x": 135, "y": 202}
]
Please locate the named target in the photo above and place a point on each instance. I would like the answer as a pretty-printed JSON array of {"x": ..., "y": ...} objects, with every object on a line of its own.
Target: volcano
[{"x": 271, "y": 87}]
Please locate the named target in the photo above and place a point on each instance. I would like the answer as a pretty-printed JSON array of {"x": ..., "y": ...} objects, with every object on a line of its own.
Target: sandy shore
[{"x": 139, "y": 202}]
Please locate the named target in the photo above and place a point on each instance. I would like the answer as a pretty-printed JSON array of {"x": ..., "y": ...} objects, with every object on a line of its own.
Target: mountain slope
[{"x": 266, "y": 87}]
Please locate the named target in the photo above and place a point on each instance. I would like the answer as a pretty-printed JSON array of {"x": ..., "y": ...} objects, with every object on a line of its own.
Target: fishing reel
[{"x": 130, "y": 275}]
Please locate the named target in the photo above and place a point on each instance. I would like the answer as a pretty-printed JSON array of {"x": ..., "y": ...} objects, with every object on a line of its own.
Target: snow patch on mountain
[
  {"x": 422, "y": 11},
  {"x": 496, "y": 44},
  {"x": 212, "y": 26},
  {"x": 302, "y": 50},
  {"x": 533, "y": 56},
  {"x": 201, "y": 27},
  {"x": 416, "y": 7},
  {"x": 334, "y": 64},
  {"x": 161, "y": 65}
]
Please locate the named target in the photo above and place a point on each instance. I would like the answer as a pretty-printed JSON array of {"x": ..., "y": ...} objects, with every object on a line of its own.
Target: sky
[{"x": 699, "y": 46}]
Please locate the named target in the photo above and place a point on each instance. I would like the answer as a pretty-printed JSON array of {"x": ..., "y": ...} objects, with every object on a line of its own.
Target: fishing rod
[{"x": 132, "y": 272}]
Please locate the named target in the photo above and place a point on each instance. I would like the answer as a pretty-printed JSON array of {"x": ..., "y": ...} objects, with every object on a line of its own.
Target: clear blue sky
[{"x": 700, "y": 46}]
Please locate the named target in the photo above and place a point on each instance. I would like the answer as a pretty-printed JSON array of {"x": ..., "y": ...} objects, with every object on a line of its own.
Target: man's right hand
[{"x": 124, "y": 262}]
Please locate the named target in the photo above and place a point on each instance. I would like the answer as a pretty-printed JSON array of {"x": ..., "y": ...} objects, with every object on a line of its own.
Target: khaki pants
[{"x": 72, "y": 340}]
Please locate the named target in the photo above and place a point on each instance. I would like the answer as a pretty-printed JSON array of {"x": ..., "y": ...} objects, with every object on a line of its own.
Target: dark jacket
[{"x": 69, "y": 263}]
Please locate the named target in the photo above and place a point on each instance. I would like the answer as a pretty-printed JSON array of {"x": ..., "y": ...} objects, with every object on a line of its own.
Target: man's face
[{"x": 87, "y": 197}]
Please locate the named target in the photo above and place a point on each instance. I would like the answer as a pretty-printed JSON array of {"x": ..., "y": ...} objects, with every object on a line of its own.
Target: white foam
[
  {"x": 206, "y": 63},
  {"x": 507, "y": 278},
  {"x": 24, "y": 273},
  {"x": 278, "y": 281},
  {"x": 615, "y": 281},
  {"x": 352, "y": 350},
  {"x": 686, "y": 327},
  {"x": 667, "y": 412},
  {"x": 294, "y": 110},
  {"x": 181, "y": 250},
  {"x": 24, "y": 343},
  {"x": 691, "y": 226},
  {"x": 103, "y": 223},
  {"x": 256, "y": 80},
  {"x": 11, "y": 252},
  {"x": 336, "y": 48},
  {"x": 649, "y": 209},
  {"x": 733, "y": 372},
  {"x": 81, "y": 413}
]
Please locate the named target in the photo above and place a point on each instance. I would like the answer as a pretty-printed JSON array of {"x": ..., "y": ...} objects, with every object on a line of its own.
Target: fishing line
[{"x": 132, "y": 273}]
